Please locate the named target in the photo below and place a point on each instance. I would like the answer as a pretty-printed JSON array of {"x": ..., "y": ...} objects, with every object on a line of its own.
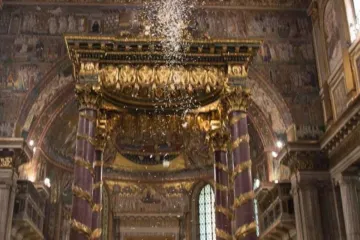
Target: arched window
[
  {"x": 353, "y": 17},
  {"x": 207, "y": 213}
]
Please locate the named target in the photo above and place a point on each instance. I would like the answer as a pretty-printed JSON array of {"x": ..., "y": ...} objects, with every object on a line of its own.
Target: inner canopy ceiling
[{"x": 143, "y": 139}]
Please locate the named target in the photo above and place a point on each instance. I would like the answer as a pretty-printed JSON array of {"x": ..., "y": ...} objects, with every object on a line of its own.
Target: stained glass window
[{"x": 207, "y": 213}]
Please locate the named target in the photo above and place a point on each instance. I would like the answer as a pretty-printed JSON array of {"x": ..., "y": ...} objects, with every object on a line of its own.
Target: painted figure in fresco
[
  {"x": 332, "y": 35},
  {"x": 62, "y": 24},
  {"x": 52, "y": 25},
  {"x": 72, "y": 24},
  {"x": 81, "y": 26}
]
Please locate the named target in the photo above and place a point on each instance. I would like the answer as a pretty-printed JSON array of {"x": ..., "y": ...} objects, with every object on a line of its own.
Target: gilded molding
[
  {"x": 244, "y": 230},
  {"x": 236, "y": 143},
  {"x": 243, "y": 198},
  {"x": 97, "y": 164},
  {"x": 222, "y": 234}
]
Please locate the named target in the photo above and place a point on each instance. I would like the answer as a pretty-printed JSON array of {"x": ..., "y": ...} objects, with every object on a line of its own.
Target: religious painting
[
  {"x": 332, "y": 35},
  {"x": 19, "y": 78},
  {"x": 339, "y": 97}
]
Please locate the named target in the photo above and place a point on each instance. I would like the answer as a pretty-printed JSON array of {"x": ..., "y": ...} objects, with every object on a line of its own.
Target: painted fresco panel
[
  {"x": 332, "y": 35},
  {"x": 340, "y": 97}
]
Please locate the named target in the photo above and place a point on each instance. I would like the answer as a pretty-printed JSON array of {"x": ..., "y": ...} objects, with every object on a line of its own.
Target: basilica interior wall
[{"x": 36, "y": 91}]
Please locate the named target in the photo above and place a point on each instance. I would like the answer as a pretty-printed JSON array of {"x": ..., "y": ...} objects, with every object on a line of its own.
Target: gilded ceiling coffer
[{"x": 132, "y": 76}]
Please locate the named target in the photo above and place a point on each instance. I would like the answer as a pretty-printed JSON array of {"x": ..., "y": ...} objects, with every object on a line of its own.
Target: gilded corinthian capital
[
  {"x": 238, "y": 99},
  {"x": 220, "y": 139},
  {"x": 88, "y": 96}
]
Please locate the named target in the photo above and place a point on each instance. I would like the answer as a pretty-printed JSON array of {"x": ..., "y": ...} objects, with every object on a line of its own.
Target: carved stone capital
[
  {"x": 88, "y": 96},
  {"x": 238, "y": 99}
]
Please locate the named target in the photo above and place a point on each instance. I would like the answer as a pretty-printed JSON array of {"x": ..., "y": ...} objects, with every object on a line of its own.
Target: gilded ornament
[
  {"x": 221, "y": 166},
  {"x": 237, "y": 118},
  {"x": 220, "y": 187},
  {"x": 6, "y": 162},
  {"x": 239, "y": 168},
  {"x": 227, "y": 212},
  {"x": 222, "y": 234},
  {"x": 220, "y": 139},
  {"x": 237, "y": 71},
  {"x": 239, "y": 140},
  {"x": 88, "y": 96},
  {"x": 237, "y": 100},
  {"x": 85, "y": 164},
  {"x": 244, "y": 230},
  {"x": 243, "y": 198}
]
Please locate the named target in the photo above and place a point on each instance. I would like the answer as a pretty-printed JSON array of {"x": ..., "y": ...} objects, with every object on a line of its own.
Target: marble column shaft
[
  {"x": 8, "y": 185},
  {"x": 241, "y": 177},
  {"x": 223, "y": 213},
  {"x": 351, "y": 207},
  {"x": 83, "y": 178}
]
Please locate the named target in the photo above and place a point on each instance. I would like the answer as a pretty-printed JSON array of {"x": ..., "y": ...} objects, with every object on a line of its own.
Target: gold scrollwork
[
  {"x": 97, "y": 164},
  {"x": 227, "y": 212},
  {"x": 88, "y": 96},
  {"x": 238, "y": 71},
  {"x": 87, "y": 117},
  {"x": 80, "y": 228},
  {"x": 80, "y": 193},
  {"x": 222, "y": 234},
  {"x": 97, "y": 185},
  {"x": 220, "y": 140},
  {"x": 85, "y": 164},
  {"x": 240, "y": 168},
  {"x": 85, "y": 230},
  {"x": 243, "y": 198},
  {"x": 6, "y": 162},
  {"x": 237, "y": 100},
  {"x": 237, "y": 118},
  {"x": 220, "y": 187},
  {"x": 96, "y": 207},
  {"x": 222, "y": 167},
  {"x": 89, "y": 139},
  {"x": 244, "y": 230},
  {"x": 236, "y": 143}
]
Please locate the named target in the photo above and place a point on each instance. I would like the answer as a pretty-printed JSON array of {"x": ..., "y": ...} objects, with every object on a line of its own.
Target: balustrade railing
[{"x": 29, "y": 208}]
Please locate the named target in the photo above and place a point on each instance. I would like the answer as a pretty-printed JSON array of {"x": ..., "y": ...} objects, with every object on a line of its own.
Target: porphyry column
[
  {"x": 223, "y": 214},
  {"x": 236, "y": 105},
  {"x": 83, "y": 204}
]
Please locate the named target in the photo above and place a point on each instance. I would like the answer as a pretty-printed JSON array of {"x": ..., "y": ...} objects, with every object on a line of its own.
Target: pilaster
[{"x": 350, "y": 204}]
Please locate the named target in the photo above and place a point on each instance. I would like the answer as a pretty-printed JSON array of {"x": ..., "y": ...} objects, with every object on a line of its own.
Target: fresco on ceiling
[
  {"x": 39, "y": 44},
  {"x": 332, "y": 35}
]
